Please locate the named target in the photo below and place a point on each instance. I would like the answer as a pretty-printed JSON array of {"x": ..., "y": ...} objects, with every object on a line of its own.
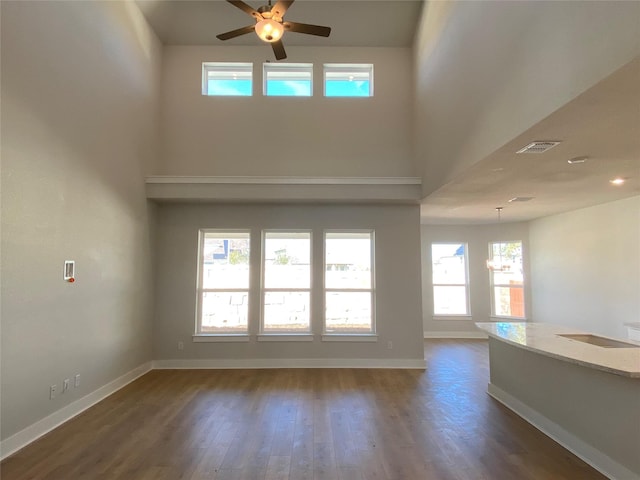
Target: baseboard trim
[
  {"x": 223, "y": 363},
  {"x": 24, "y": 437},
  {"x": 454, "y": 335},
  {"x": 598, "y": 460}
]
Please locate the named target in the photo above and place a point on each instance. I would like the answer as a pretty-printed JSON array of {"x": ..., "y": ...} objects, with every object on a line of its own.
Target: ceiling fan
[{"x": 270, "y": 25}]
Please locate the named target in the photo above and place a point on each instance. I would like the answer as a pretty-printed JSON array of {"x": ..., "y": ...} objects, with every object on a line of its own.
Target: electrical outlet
[
  {"x": 76, "y": 382},
  {"x": 389, "y": 344},
  {"x": 180, "y": 345},
  {"x": 65, "y": 385},
  {"x": 52, "y": 392}
]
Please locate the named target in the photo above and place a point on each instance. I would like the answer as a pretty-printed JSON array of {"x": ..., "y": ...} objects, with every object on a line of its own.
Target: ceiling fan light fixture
[{"x": 269, "y": 30}]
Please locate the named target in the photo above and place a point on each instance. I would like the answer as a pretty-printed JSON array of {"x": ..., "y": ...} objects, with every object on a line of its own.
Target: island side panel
[{"x": 599, "y": 408}]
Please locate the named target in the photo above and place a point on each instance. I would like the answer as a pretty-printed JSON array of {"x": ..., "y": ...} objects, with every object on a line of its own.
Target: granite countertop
[{"x": 544, "y": 338}]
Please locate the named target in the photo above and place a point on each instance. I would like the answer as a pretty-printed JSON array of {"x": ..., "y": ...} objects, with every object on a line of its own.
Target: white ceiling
[
  {"x": 359, "y": 23},
  {"x": 603, "y": 123}
]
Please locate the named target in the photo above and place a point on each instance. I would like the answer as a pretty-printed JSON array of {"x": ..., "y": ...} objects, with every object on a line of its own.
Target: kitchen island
[{"x": 580, "y": 389}]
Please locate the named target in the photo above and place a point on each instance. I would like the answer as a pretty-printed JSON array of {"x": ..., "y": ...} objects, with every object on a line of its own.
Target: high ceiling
[
  {"x": 602, "y": 124},
  {"x": 359, "y": 23}
]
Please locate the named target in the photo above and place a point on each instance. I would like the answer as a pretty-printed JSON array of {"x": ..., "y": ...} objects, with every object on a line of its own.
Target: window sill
[
  {"x": 347, "y": 337},
  {"x": 496, "y": 318},
  {"x": 231, "y": 337},
  {"x": 456, "y": 318},
  {"x": 287, "y": 337}
]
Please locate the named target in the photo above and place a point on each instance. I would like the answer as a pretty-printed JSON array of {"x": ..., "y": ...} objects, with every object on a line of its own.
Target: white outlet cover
[{"x": 69, "y": 269}]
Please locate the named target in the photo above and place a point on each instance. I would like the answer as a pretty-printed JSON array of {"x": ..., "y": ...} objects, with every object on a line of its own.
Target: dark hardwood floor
[{"x": 350, "y": 424}]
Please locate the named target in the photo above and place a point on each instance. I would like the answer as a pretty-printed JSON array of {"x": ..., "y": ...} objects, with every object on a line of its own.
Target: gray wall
[
  {"x": 305, "y": 136},
  {"x": 79, "y": 98},
  {"x": 586, "y": 267},
  {"x": 397, "y": 278},
  {"x": 477, "y": 237}
]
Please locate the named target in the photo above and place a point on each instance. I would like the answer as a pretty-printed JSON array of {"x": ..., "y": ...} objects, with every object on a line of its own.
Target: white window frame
[
  {"x": 199, "y": 334},
  {"x": 343, "y": 335},
  {"x": 226, "y": 71},
  {"x": 289, "y": 71},
  {"x": 453, "y": 316},
  {"x": 290, "y": 335},
  {"x": 348, "y": 71},
  {"x": 494, "y": 285}
]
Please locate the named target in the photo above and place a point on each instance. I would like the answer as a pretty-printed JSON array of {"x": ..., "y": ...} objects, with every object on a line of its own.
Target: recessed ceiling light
[
  {"x": 577, "y": 160},
  {"x": 617, "y": 181}
]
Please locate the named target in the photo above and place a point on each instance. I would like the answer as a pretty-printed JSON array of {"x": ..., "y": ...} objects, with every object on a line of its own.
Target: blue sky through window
[
  {"x": 289, "y": 88},
  {"x": 229, "y": 87},
  {"x": 347, "y": 88}
]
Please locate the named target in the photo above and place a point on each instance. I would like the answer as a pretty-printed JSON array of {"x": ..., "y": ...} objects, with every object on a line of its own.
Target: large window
[
  {"x": 288, "y": 79},
  {"x": 450, "y": 274},
  {"x": 227, "y": 79},
  {"x": 507, "y": 279},
  {"x": 349, "y": 282},
  {"x": 286, "y": 282},
  {"x": 223, "y": 282}
]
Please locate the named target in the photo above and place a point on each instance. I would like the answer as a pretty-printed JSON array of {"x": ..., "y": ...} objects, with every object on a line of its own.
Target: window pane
[
  {"x": 348, "y": 312},
  {"x": 449, "y": 266},
  {"x": 287, "y": 260},
  {"x": 449, "y": 300},
  {"x": 348, "y": 260},
  {"x": 348, "y": 80},
  {"x": 225, "y": 261},
  {"x": 288, "y": 79},
  {"x": 286, "y": 312},
  {"x": 289, "y": 88},
  {"x": 229, "y": 87},
  {"x": 347, "y": 88},
  {"x": 507, "y": 258},
  {"x": 224, "y": 312},
  {"x": 508, "y": 301},
  {"x": 227, "y": 78}
]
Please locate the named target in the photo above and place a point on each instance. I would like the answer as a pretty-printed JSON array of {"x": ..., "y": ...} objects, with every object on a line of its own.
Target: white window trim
[
  {"x": 347, "y": 68},
  {"x": 494, "y": 285},
  {"x": 286, "y": 337},
  {"x": 263, "y": 289},
  {"x": 445, "y": 318},
  {"x": 345, "y": 333},
  {"x": 200, "y": 290},
  {"x": 290, "y": 70},
  {"x": 349, "y": 337},
  {"x": 467, "y": 287},
  {"x": 220, "y": 337}
]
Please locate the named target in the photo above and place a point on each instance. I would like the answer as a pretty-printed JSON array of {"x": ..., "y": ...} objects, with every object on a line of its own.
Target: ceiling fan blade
[
  {"x": 306, "y": 28},
  {"x": 246, "y": 8},
  {"x": 278, "y": 50},
  {"x": 280, "y": 8},
  {"x": 236, "y": 33}
]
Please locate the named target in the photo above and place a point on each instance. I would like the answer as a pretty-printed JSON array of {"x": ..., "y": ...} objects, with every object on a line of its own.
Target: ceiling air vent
[
  {"x": 538, "y": 147},
  {"x": 520, "y": 199}
]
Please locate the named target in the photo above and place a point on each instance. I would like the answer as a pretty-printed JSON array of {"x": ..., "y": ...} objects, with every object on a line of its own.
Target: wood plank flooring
[{"x": 297, "y": 424}]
